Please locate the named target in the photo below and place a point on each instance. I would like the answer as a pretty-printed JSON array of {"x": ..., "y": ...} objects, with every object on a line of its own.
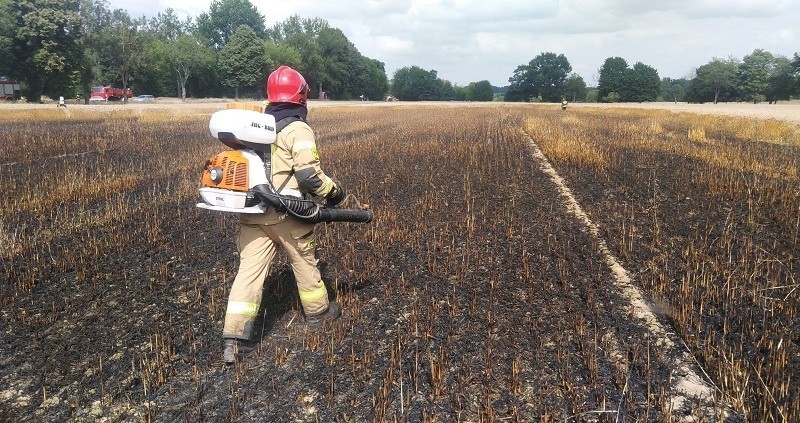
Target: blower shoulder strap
[
  {"x": 285, "y": 181},
  {"x": 267, "y": 158},
  {"x": 279, "y": 126},
  {"x": 283, "y": 123}
]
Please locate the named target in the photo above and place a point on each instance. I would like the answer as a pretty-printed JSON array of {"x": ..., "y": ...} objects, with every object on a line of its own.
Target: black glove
[{"x": 336, "y": 195}]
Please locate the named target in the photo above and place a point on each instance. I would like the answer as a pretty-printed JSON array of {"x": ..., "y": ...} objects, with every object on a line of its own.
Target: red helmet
[{"x": 286, "y": 85}]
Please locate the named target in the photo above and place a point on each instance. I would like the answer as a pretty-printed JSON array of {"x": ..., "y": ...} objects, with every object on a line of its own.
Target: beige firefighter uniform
[{"x": 294, "y": 157}]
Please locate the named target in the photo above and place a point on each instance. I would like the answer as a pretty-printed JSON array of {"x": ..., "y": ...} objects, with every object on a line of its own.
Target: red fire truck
[
  {"x": 9, "y": 90},
  {"x": 109, "y": 94}
]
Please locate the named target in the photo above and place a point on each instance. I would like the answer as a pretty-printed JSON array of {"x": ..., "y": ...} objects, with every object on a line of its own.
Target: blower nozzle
[{"x": 308, "y": 210}]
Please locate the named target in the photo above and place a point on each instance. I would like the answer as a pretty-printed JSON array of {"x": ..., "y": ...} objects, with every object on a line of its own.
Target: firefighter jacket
[{"x": 296, "y": 168}]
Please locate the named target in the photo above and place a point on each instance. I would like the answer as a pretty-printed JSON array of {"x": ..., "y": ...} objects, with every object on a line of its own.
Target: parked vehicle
[
  {"x": 109, "y": 94},
  {"x": 9, "y": 90},
  {"x": 144, "y": 97}
]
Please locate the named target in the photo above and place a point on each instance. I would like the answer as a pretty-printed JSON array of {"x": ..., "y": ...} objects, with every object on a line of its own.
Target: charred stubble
[{"x": 472, "y": 296}]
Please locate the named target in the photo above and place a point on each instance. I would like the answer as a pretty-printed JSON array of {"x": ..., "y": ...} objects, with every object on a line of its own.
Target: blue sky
[{"x": 467, "y": 41}]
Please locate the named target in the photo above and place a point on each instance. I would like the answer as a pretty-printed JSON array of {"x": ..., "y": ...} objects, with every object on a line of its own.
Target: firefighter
[
  {"x": 295, "y": 172},
  {"x": 563, "y": 103}
]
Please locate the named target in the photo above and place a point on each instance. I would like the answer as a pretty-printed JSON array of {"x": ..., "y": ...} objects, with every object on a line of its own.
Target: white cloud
[
  {"x": 151, "y": 8},
  {"x": 786, "y": 36},
  {"x": 740, "y": 8},
  {"x": 393, "y": 45},
  {"x": 468, "y": 11}
]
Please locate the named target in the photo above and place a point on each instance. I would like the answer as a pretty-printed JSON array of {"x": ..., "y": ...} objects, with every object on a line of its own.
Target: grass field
[{"x": 478, "y": 293}]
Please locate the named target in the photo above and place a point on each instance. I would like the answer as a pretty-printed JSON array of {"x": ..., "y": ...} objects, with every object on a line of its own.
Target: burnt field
[{"x": 474, "y": 295}]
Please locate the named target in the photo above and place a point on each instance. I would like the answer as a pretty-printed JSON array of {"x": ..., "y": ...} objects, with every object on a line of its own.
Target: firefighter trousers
[{"x": 257, "y": 243}]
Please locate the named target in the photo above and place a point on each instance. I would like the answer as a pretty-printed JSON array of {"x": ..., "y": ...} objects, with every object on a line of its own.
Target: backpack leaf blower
[{"x": 239, "y": 180}]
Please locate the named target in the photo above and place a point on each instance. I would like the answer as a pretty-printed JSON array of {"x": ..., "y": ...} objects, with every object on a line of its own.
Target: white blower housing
[
  {"x": 246, "y": 126},
  {"x": 230, "y": 175}
]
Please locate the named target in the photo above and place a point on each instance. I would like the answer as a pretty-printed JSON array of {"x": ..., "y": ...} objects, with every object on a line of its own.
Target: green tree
[
  {"x": 96, "y": 19},
  {"x": 550, "y": 73},
  {"x": 224, "y": 18},
  {"x": 8, "y": 29},
  {"x": 295, "y": 25},
  {"x": 242, "y": 61},
  {"x": 167, "y": 26},
  {"x": 781, "y": 81},
  {"x": 114, "y": 44},
  {"x": 575, "y": 88},
  {"x": 415, "y": 84},
  {"x": 795, "y": 70},
  {"x": 753, "y": 75},
  {"x": 206, "y": 82},
  {"x": 185, "y": 57},
  {"x": 122, "y": 47},
  {"x": 521, "y": 85},
  {"x": 673, "y": 89},
  {"x": 330, "y": 63},
  {"x": 444, "y": 90},
  {"x": 543, "y": 77},
  {"x": 282, "y": 54},
  {"x": 677, "y": 92},
  {"x": 301, "y": 35},
  {"x": 165, "y": 57},
  {"x": 479, "y": 91},
  {"x": 715, "y": 81},
  {"x": 343, "y": 70},
  {"x": 460, "y": 93},
  {"x": 465, "y": 93},
  {"x": 591, "y": 95},
  {"x": 642, "y": 83},
  {"x": 377, "y": 83},
  {"x": 156, "y": 78},
  {"x": 43, "y": 44},
  {"x": 612, "y": 79}
]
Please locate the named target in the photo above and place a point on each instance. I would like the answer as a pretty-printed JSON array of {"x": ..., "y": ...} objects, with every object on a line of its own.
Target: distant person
[
  {"x": 61, "y": 102},
  {"x": 563, "y": 103}
]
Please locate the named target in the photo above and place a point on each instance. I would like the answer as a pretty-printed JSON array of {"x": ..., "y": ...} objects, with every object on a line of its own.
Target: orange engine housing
[{"x": 234, "y": 171}]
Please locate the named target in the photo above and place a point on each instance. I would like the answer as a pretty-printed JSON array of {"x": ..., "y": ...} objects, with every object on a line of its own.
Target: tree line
[
  {"x": 760, "y": 76},
  {"x": 414, "y": 84},
  {"x": 65, "y": 47}
]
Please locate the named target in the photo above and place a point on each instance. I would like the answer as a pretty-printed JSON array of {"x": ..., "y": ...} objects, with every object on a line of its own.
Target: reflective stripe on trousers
[
  {"x": 315, "y": 295},
  {"x": 242, "y": 308}
]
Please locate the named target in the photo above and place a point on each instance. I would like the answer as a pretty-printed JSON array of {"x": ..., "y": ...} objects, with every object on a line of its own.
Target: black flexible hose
[{"x": 308, "y": 210}]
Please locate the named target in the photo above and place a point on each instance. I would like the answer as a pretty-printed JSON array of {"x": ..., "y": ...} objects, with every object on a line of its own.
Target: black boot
[
  {"x": 236, "y": 348},
  {"x": 333, "y": 312}
]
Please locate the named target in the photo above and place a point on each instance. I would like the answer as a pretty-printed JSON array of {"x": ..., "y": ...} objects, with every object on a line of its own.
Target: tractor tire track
[{"x": 687, "y": 386}]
